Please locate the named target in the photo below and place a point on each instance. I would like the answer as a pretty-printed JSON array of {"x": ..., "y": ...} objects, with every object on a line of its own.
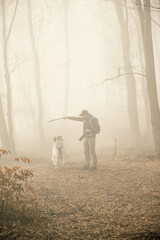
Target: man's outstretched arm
[{"x": 79, "y": 119}]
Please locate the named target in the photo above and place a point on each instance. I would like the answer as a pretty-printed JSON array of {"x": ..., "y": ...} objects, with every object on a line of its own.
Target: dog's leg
[
  {"x": 54, "y": 156},
  {"x": 55, "y": 159},
  {"x": 53, "y": 153},
  {"x": 63, "y": 156}
]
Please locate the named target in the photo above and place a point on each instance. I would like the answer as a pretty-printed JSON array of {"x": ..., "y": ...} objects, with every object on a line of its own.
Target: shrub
[{"x": 17, "y": 196}]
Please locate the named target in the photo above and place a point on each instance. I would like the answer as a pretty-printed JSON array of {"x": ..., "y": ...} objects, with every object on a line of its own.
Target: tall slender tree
[
  {"x": 37, "y": 74},
  {"x": 67, "y": 87},
  {"x": 144, "y": 85},
  {"x": 130, "y": 79},
  {"x": 144, "y": 14},
  {"x": 6, "y": 37}
]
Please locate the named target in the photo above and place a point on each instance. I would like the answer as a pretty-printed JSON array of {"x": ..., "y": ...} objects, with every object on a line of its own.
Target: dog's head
[
  {"x": 58, "y": 141},
  {"x": 58, "y": 138}
]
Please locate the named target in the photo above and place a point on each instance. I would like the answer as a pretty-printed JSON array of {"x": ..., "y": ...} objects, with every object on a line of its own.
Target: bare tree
[
  {"x": 5, "y": 37},
  {"x": 130, "y": 79},
  {"x": 67, "y": 87},
  {"x": 37, "y": 74},
  {"x": 143, "y": 79},
  {"x": 144, "y": 14}
]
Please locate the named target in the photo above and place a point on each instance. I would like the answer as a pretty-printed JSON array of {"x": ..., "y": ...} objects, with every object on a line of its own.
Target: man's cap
[{"x": 83, "y": 113}]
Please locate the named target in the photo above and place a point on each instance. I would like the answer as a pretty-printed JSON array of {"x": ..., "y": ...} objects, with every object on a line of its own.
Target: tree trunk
[
  {"x": 130, "y": 80},
  {"x": 144, "y": 86},
  {"x": 37, "y": 75},
  {"x": 3, "y": 129},
  {"x": 67, "y": 87},
  {"x": 7, "y": 75},
  {"x": 145, "y": 20}
]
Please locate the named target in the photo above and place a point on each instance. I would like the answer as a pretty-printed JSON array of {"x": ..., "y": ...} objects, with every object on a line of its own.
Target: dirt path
[{"x": 121, "y": 200}]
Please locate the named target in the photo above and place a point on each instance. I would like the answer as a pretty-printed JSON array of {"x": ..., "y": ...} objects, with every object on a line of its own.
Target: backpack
[{"x": 96, "y": 127}]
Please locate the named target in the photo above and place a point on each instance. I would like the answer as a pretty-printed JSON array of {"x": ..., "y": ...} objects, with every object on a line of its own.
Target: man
[{"x": 90, "y": 129}]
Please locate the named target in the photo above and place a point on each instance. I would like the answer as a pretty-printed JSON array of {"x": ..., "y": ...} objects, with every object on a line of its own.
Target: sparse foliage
[{"x": 17, "y": 196}]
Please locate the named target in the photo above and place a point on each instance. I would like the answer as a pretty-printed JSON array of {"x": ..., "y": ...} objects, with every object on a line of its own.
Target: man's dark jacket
[{"x": 87, "y": 124}]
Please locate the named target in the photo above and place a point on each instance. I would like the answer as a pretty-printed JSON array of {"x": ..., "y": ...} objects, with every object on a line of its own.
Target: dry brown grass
[{"x": 121, "y": 200}]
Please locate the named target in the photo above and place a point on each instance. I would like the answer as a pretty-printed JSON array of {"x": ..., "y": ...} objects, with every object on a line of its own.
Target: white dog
[{"x": 58, "y": 151}]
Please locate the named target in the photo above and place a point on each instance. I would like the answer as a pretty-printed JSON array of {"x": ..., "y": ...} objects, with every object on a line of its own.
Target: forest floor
[{"x": 121, "y": 200}]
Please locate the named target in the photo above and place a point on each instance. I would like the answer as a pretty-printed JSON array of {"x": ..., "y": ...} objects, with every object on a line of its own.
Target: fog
[
  {"x": 65, "y": 66},
  {"x": 77, "y": 46}
]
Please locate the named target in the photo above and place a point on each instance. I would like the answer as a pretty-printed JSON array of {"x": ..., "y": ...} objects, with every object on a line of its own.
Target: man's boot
[
  {"x": 86, "y": 167},
  {"x": 93, "y": 168}
]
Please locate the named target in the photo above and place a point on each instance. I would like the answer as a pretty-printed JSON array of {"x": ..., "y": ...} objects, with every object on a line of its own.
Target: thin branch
[
  {"x": 20, "y": 63},
  {"x": 153, "y": 8},
  {"x": 121, "y": 4},
  {"x": 10, "y": 28},
  {"x": 52, "y": 14},
  {"x": 156, "y": 22},
  {"x": 120, "y": 75}
]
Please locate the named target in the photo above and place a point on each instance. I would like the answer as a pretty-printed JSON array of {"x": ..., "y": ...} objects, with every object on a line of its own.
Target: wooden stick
[{"x": 56, "y": 119}]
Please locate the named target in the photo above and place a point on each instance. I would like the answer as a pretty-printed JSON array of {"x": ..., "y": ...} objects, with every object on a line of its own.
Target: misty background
[{"x": 59, "y": 57}]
